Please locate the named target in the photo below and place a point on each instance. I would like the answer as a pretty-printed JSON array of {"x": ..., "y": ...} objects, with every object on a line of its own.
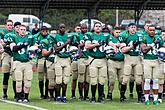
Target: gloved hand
[
  {"x": 101, "y": 42},
  {"x": 68, "y": 41},
  {"x": 135, "y": 44},
  {"x": 25, "y": 44},
  {"x": 51, "y": 49}
]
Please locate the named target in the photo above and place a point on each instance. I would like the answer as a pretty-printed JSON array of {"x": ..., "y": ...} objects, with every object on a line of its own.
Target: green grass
[{"x": 76, "y": 104}]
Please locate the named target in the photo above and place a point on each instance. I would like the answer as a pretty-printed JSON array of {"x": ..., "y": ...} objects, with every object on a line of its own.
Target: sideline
[{"x": 22, "y": 104}]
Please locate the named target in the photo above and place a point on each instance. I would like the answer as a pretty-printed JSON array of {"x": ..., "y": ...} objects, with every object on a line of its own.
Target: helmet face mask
[
  {"x": 33, "y": 52},
  {"x": 74, "y": 53},
  {"x": 109, "y": 51},
  {"x": 161, "y": 54}
]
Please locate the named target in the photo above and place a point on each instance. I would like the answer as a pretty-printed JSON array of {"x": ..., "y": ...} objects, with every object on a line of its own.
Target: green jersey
[
  {"x": 152, "y": 53},
  {"x": 59, "y": 40},
  {"x": 81, "y": 39},
  {"x": 143, "y": 32},
  {"x": 119, "y": 56},
  {"x": 45, "y": 44},
  {"x": 97, "y": 52},
  {"x": 4, "y": 32},
  {"x": 125, "y": 37},
  {"x": 5, "y": 36},
  {"x": 22, "y": 54}
]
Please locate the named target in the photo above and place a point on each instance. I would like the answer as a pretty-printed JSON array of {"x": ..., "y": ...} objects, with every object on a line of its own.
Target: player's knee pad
[
  {"x": 58, "y": 80},
  {"x": 27, "y": 83},
  {"x": 28, "y": 75},
  {"x": 127, "y": 70},
  {"x": 74, "y": 75},
  {"x": 18, "y": 75},
  {"x": 147, "y": 84},
  {"x": 40, "y": 67},
  {"x": 93, "y": 80},
  {"x": 155, "y": 84},
  {"x": 5, "y": 68},
  {"x": 81, "y": 69},
  {"x": 139, "y": 69},
  {"x": 51, "y": 82},
  {"x": 161, "y": 81},
  {"x": 87, "y": 78},
  {"x": 40, "y": 76},
  {"x": 102, "y": 80},
  {"x": 66, "y": 79},
  {"x": 112, "y": 78},
  {"x": 138, "y": 79},
  {"x": 81, "y": 78},
  {"x": 6, "y": 78},
  {"x": 126, "y": 78},
  {"x": 74, "y": 66},
  {"x": 18, "y": 84},
  {"x": 50, "y": 74}
]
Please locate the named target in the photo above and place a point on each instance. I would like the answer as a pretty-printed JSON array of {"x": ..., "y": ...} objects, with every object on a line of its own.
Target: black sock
[
  {"x": 51, "y": 93},
  {"x": 73, "y": 93},
  {"x": 63, "y": 93},
  {"x": 159, "y": 95},
  {"x": 93, "y": 90},
  {"x": 26, "y": 95},
  {"x": 164, "y": 88},
  {"x": 64, "y": 87},
  {"x": 55, "y": 92},
  {"x": 103, "y": 91},
  {"x": 58, "y": 87},
  {"x": 122, "y": 91},
  {"x": 4, "y": 91},
  {"x": 139, "y": 91},
  {"x": 18, "y": 95},
  {"x": 100, "y": 90},
  {"x": 5, "y": 82},
  {"x": 80, "y": 88},
  {"x": 46, "y": 87},
  {"x": 131, "y": 86},
  {"x": 14, "y": 88},
  {"x": 41, "y": 87},
  {"x": 86, "y": 89}
]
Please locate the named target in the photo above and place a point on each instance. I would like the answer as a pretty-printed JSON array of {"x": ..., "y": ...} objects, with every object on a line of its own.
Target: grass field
[{"x": 75, "y": 104}]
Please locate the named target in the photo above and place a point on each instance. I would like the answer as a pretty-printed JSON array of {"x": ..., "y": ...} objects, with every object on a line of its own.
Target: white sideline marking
[{"x": 22, "y": 104}]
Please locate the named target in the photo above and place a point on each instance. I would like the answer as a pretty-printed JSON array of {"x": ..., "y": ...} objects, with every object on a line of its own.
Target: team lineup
[{"x": 89, "y": 59}]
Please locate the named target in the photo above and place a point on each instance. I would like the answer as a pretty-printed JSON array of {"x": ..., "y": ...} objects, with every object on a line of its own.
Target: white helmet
[
  {"x": 109, "y": 51},
  {"x": 73, "y": 52},
  {"x": 161, "y": 53},
  {"x": 33, "y": 52}
]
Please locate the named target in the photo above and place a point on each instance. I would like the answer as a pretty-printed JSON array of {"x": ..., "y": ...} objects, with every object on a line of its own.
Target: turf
[{"x": 76, "y": 104}]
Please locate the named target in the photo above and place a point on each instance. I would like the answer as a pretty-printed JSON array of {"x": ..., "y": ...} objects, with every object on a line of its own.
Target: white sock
[
  {"x": 155, "y": 97},
  {"x": 146, "y": 97}
]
